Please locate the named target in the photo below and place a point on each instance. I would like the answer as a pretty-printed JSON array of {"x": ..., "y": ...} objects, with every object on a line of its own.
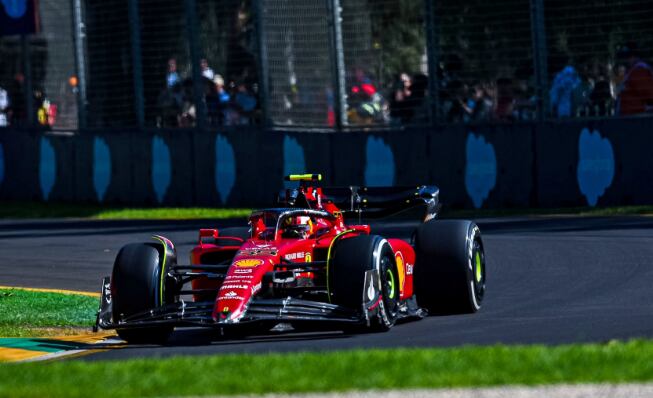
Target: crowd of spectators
[
  {"x": 13, "y": 106},
  {"x": 226, "y": 104},
  {"x": 585, "y": 89},
  {"x": 591, "y": 89}
]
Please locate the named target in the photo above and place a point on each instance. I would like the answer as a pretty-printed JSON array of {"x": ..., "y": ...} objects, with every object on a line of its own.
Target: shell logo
[
  {"x": 250, "y": 262},
  {"x": 401, "y": 269}
]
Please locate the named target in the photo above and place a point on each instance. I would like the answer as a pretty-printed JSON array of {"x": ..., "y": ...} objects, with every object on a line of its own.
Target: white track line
[{"x": 552, "y": 391}]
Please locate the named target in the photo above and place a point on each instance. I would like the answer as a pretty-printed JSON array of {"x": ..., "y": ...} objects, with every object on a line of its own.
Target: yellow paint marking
[
  {"x": 8, "y": 354},
  {"x": 16, "y": 354},
  {"x": 88, "y": 338},
  {"x": 33, "y": 289}
]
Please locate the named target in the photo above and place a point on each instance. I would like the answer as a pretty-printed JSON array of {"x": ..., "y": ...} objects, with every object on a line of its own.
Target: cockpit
[{"x": 273, "y": 224}]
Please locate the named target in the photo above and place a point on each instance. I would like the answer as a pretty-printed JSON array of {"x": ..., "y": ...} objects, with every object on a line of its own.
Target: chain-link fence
[
  {"x": 297, "y": 62},
  {"x": 594, "y": 48},
  {"x": 44, "y": 62},
  {"x": 485, "y": 69},
  {"x": 326, "y": 64},
  {"x": 386, "y": 62}
]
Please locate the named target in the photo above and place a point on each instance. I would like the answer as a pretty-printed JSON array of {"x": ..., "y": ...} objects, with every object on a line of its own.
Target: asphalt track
[{"x": 551, "y": 280}]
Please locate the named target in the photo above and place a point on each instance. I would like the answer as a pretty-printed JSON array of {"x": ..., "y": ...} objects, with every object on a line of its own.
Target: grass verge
[
  {"x": 64, "y": 210},
  {"x": 88, "y": 211},
  {"x": 575, "y": 211},
  {"x": 335, "y": 371},
  {"x": 38, "y": 314}
]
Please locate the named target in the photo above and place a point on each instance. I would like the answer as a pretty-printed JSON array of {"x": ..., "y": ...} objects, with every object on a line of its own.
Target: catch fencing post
[
  {"x": 338, "y": 62},
  {"x": 194, "y": 44},
  {"x": 27, "y": 75},
  {"x": 264, "y": 81},
  {"x": 432, "y": 59},
  {"x": 79, "y": 37},
  {"x": 538, "y": 31},
  {"x": 137, "y": 64}
]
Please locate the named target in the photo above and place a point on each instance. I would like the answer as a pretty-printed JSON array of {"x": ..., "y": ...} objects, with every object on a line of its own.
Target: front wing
[{"x": 260, "y": 310}]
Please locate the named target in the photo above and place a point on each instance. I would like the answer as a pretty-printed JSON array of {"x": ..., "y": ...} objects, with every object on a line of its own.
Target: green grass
[
  {"x": 334, "y": 371},
  {"x": 172, "y": 213},
  {"x": 88, "y": 211},
  {"x": 574, "y": 211},
  {"x": 34, "y": 314}
]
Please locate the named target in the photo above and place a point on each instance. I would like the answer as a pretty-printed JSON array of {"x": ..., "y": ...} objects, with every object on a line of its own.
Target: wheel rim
[
  {"x": 479, "y": 271},
  {"x": 390, "y": 282},
  {"x": 389, "y": 287}
]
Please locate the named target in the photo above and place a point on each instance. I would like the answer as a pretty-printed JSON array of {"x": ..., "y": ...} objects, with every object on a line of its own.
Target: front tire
[
  {"x": 137, "y": 286},
  {"x": 351, "y": 260},
  {"x": 450, "y": 270}
]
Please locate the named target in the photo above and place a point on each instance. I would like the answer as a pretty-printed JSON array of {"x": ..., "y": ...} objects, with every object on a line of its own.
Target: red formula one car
[{"x": 300, "y": 266}]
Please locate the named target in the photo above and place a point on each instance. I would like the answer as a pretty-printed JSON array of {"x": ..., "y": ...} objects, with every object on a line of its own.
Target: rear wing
[
  {"x": 371, "y": 202},
  {"x": 377, "y": 202}
]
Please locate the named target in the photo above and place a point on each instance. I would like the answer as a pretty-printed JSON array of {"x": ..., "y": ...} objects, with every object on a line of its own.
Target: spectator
[
  {"x": 400, "y": 111},
  {"x": 4, "y": 108},
  {"x": 172, "y": 77},
  {"x": 636, "y": 94},
  {"x": 505, "y": 99},
  {"x": 245, "y": 103},
  {"x": 479, "y": 105},
  {"x": 562, "y": 92},
  {"x": 456, "y": 93},
  {"x": 207, "y": 72},
  {"x": 217, "y": 101},
  {"x": 418, "y": 101},
  {"x": 17, "y": 106},
  {"x": 600, "y": 98},
  {"x": 365, "y": 102}
]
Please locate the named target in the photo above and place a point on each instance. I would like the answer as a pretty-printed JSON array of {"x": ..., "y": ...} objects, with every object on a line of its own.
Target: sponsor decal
[
  {"x": 231, "y": 296},
  {"x": 294, "y": 256},
  {"x": 248, "y": 262},
  {"x": 409, "y": 269},
  {"x": 230, "y": 286},
  {"x": 258, "y": 252},
  {"x": 307, "y": 257},
  {"x": 238, "y": 278},
  {"x": 256, "y": 288},
  {"x": 243, "y": 271},
  {"x": 401, "y": 269}
]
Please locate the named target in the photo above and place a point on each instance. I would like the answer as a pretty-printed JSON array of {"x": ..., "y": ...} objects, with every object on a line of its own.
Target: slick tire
[
  {"x": 350, "y": 260},
  {"x": 450, "y": 268},
  {"x": 136, "y": 287}
]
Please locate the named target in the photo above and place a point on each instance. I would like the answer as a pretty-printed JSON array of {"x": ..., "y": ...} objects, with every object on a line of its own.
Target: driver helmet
[{"x": 301, "y": 226}]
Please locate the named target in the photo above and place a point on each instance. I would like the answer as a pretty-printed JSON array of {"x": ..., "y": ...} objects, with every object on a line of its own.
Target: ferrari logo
[{"x": 307, "y": 257}]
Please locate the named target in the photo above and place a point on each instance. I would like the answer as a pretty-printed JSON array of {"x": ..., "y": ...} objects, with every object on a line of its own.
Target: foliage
[{"x": 402, "y": 368}]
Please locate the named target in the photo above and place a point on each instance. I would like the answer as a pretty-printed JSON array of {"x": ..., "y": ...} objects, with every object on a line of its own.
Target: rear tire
[
  {"x": 450, "y": 267},
  {"x": 351, "y": 259},
  {"x": 136, "y": 287}
]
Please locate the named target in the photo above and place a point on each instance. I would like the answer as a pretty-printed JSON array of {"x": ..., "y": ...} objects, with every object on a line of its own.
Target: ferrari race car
[{"x": 300, "y": 266}]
